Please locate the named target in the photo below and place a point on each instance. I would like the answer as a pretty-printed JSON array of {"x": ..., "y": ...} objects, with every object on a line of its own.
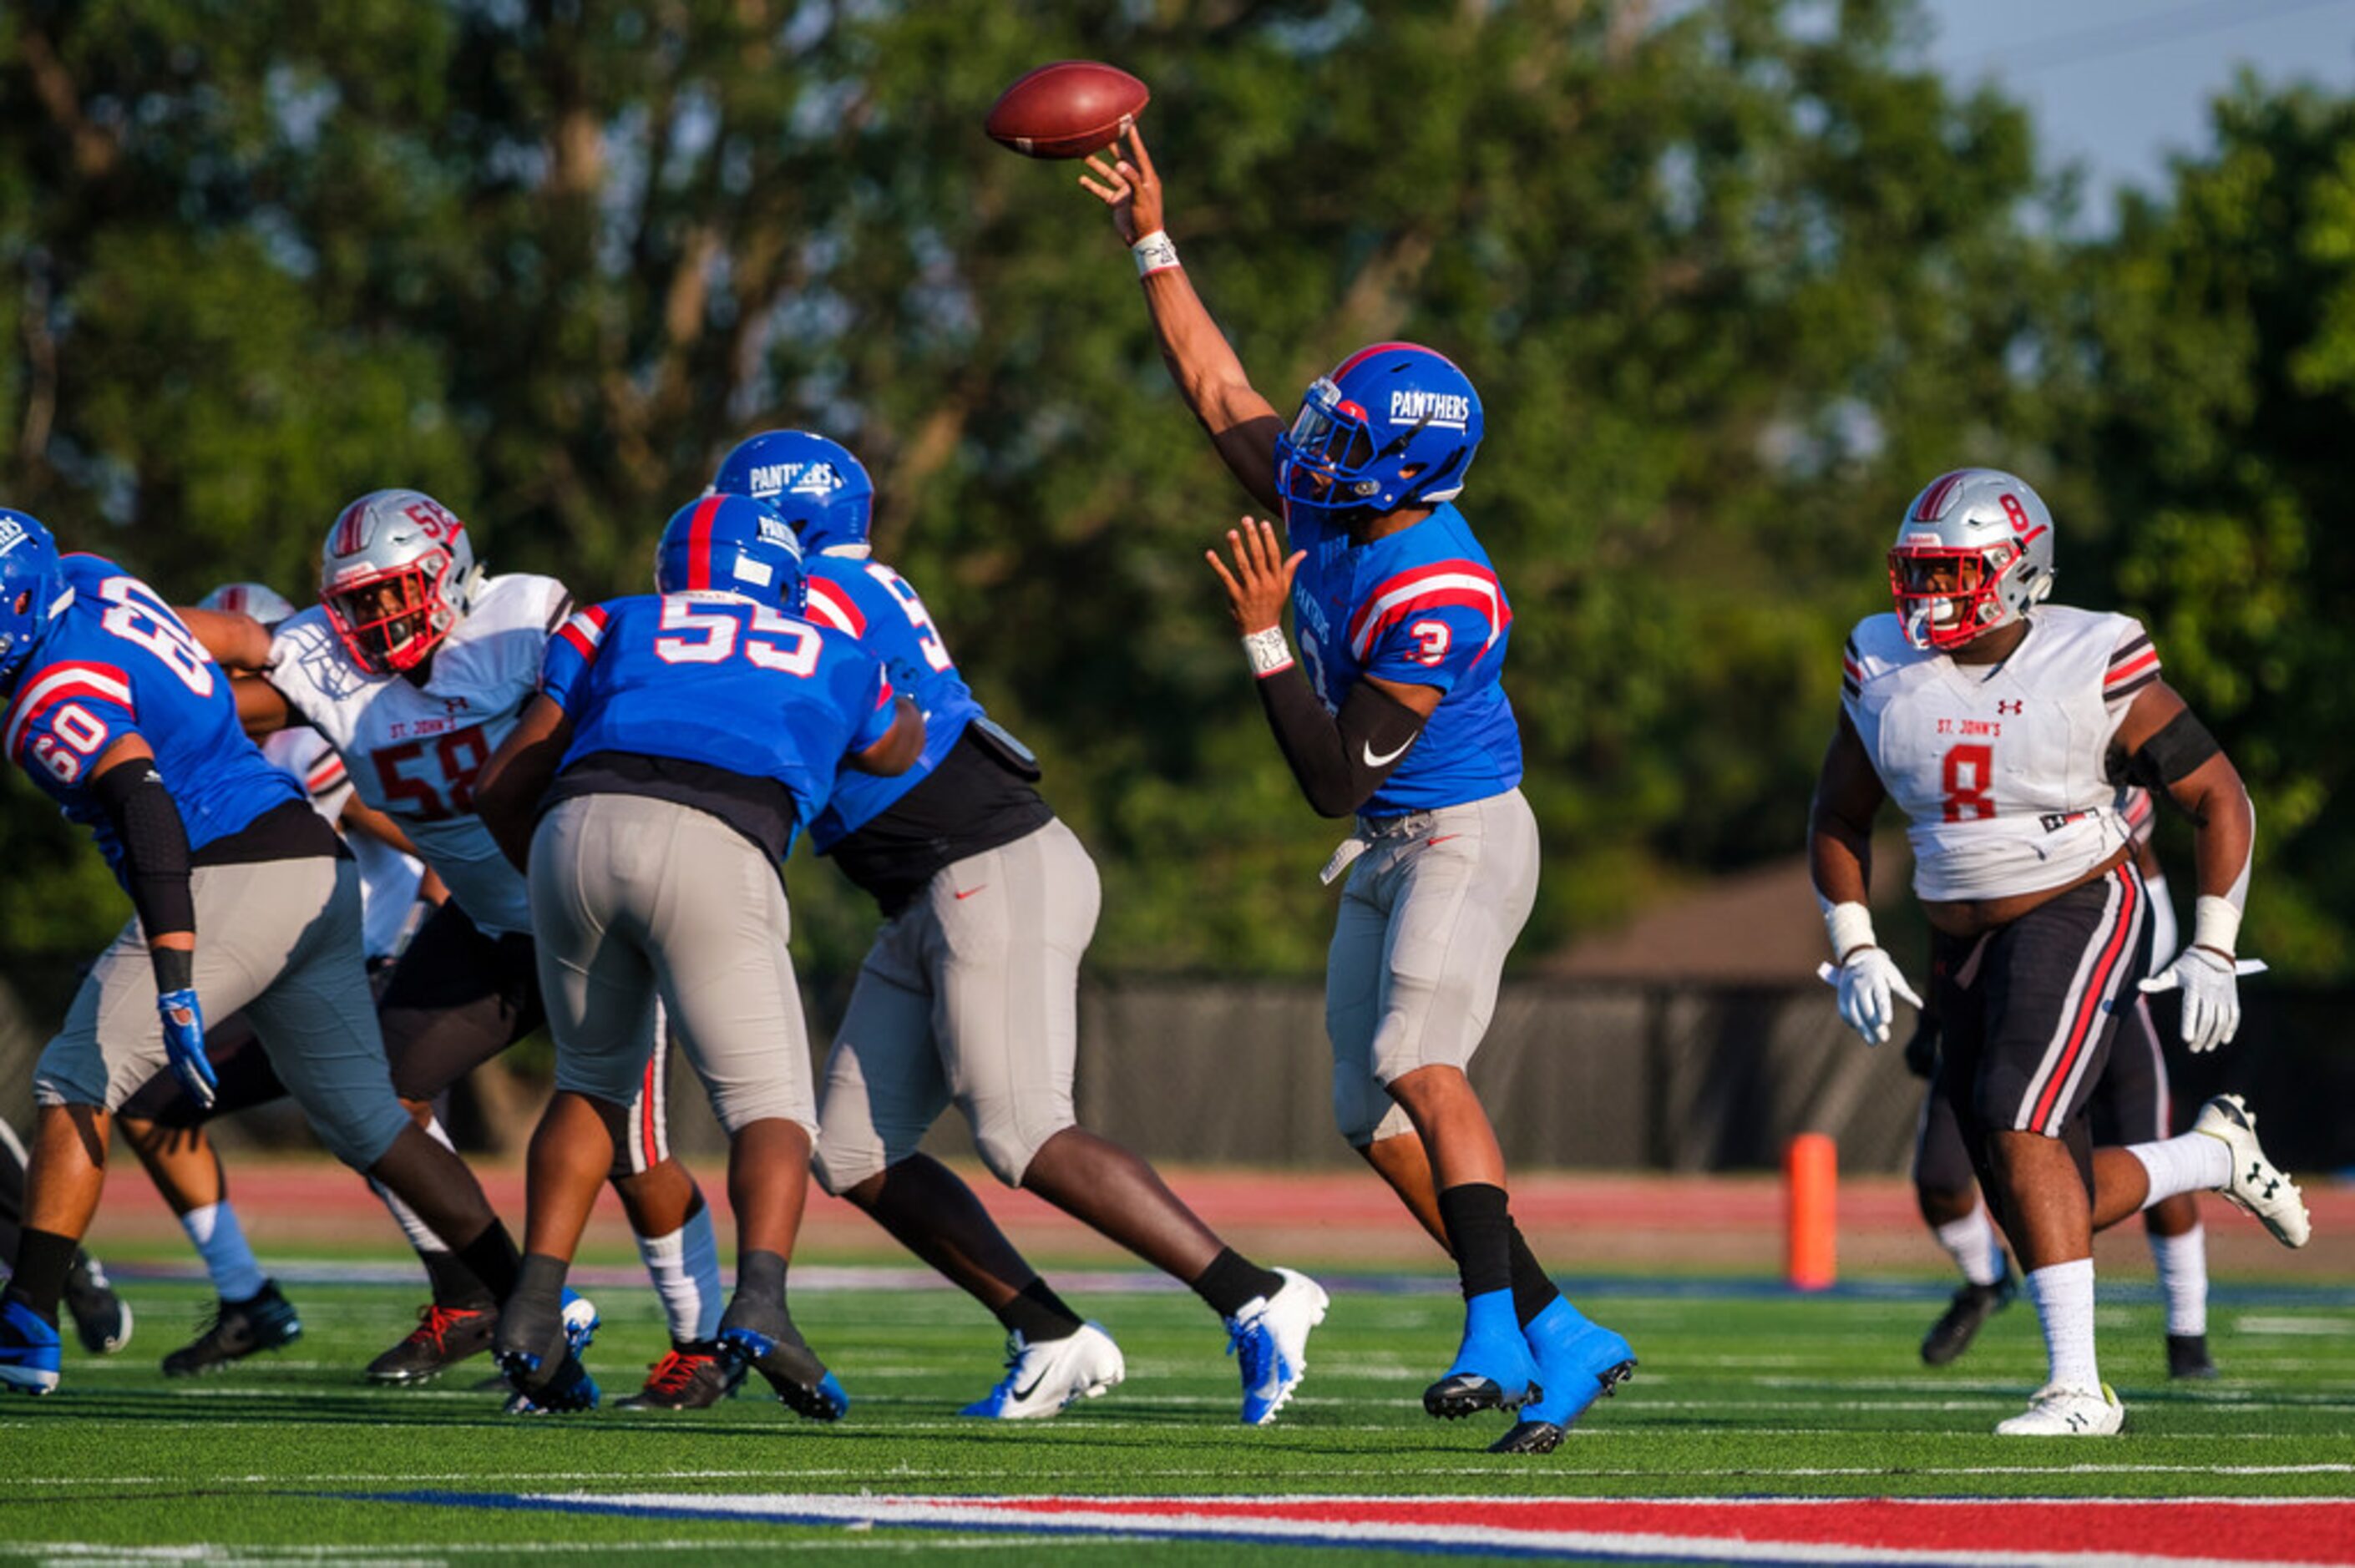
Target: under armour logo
[
  {"x": 2076, "y": 1421},
  {"x": 2257, "y": 1174},
  {"x": 2010, "y": 707}
]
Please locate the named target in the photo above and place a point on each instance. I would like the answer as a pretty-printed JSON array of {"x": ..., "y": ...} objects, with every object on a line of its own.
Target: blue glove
[{"x": 184, "y": 1043}]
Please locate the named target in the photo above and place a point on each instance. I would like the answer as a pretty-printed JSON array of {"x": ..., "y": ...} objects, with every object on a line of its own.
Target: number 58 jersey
[
  {"x": 2002, "y": 771},
  {"x": 413, "y": 750}
]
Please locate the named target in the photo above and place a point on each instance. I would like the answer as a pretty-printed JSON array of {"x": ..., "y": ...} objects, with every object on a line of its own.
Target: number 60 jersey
[
  {"x": 2001, "y": 769},
  {"x": 413, "y": 750}
]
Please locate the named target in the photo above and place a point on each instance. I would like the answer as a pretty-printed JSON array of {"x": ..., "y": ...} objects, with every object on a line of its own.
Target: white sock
[
  {"x": 2063, "y": 1294},
  {"x": 2183, "y": 1275},
  {"x": 1971, "y": 1242},
  {"x": 219, "y": 1239},
  {"x": 421, "y": 1235},
  {"x": 685, "y": 1266},
  {"x": 2194, "y": 1162}
]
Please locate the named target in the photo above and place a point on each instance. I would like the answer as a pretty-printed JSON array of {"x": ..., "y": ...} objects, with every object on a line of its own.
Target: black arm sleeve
[
  {"x": 1341, "y": 760},
  {"x": 154, "y": 859}
]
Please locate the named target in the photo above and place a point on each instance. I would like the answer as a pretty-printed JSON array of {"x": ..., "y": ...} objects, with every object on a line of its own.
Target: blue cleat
[
  {"x": 1493, "y": 1368},
  {"x": 1268, "y": 1340},
  {"x": 580, "y": 1321},
  {"x": 29, "y": 1348},
  {"x": 568, "y": 1392},
  {"x": 1579, "y": 1362}
]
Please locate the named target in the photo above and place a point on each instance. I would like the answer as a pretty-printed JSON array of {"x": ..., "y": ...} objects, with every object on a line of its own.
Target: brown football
[{"x": 1067, "y": 109}]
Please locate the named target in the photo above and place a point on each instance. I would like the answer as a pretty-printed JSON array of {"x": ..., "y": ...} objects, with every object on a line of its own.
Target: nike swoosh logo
[
  {"x": 1388, "y": 757},
  {"x": 970, "y": 892},
  {"x": 1026, "y": 1392},
  {"x": 1434, "y": 843}
]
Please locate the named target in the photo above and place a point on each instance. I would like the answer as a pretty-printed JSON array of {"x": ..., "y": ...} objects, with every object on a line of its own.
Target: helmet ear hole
[{"x": 24, "y": 601}]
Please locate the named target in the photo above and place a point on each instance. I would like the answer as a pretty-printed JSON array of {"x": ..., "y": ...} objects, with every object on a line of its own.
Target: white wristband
[
  {"x": 1849, "y": 925},
  {"x": 2215, "y": 923},
  {"x": 1267, "y": 651},
  {"x": 1153, "y": 253}
]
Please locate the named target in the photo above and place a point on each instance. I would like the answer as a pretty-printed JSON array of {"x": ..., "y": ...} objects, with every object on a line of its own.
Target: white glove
[
  {"x": 2211, "y": 996},
  {"x": 1866, "y": 982}
]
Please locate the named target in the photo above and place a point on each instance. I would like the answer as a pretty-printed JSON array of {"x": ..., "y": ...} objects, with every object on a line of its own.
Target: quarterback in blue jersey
[
  {"x": 970, "y": 993},
  {"x": 679, "y": 743},
  {"x": 244, "y": 900},
  {"x": 1394, "y": 711}
]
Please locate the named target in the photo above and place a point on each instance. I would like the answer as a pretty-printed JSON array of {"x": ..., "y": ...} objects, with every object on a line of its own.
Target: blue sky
[{"x": 2118, "y": 84}]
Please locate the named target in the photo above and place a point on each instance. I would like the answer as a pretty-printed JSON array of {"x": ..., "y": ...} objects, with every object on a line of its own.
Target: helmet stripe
[
  {"x": 698, "y": 543},
  {"x": 1934, "y": 499},
  {"x": 1372, "y": 349}
]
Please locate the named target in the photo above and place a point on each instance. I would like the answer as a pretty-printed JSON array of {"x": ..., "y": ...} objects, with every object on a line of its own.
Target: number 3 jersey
[
  {"x": 713, "y": 701},
  {"x": 2002, "y": 771},
  {"x": 116, "y": 662},
  {"x": 1421, "y": 607},
  {"x": 413, "y": 750}
]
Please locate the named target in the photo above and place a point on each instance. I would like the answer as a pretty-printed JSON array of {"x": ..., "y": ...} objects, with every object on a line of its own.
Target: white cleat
[
  {"x": 2058, "y": 1412},
  {"x": 2256, "y": 1185},
  {"x": 1042, "y": 1379},
  {"x": 1268, "y": 1340}
]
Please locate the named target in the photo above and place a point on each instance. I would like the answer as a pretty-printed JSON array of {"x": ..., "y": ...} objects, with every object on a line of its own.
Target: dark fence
[{"x": 1577, "y": 1074}]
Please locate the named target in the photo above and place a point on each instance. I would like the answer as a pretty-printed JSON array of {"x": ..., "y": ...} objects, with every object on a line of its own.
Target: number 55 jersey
[
  {"x": 2002, "y": 769},
  {"x": 413, "y": 750}
]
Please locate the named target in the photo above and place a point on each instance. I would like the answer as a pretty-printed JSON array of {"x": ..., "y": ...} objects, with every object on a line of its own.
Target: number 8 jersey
[
  {"x": 413, "y": 750},
  {"x": 2001, "y": 769}
]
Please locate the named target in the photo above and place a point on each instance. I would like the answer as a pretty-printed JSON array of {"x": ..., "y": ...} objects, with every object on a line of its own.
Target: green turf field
[{"x": 1737, "y": 1395}]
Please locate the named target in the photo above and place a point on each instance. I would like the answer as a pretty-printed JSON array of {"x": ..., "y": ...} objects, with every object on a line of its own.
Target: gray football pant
[
  {"x": 278, "y": 940},
  {"x": 970, "y": 995},
  {"x": 635, "y": 900},
  {"x": 1427, "y": 917}
]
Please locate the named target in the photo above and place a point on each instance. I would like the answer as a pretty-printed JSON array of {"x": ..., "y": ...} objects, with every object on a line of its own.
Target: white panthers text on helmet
[
  {"x": 793, "y": 478},
  {"x": 12, "y": 534},
  {"x": 1448, "y": 410}
]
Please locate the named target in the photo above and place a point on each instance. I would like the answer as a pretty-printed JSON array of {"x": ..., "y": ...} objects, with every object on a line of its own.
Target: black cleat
[
  {"x": 1960, "y": 1323},
  {"x": 535, "y": 1350},
  {"x": 443, "y": 1337},
  {"x": 264, "y": 1322},
  {"x": 690, "y": 1377},
  {"x": 762, "y": 1336},
  {"x": 2187, "y": 1356},
  {"x": 101, "y": 1319},
  {"x": 1544, "y": 1437},
  {"x": 1468, "y": 1393}
]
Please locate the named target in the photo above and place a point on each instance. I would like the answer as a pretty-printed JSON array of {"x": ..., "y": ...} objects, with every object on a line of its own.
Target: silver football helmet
[
  {"x": 397, "y": 574},
  {"x": 1974, "y": 553},
  {"x": 259, "y": 600}
]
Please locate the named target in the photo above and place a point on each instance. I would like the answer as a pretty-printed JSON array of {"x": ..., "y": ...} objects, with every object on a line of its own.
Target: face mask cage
[
  {"x": 1322, "y": 460},
  {"x": 1947, "y": 598},
  {"x": 389, "y": 622}
]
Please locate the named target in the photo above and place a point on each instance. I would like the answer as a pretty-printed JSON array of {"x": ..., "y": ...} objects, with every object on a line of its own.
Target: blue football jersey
[
  {"x": 1421, "y": 607},
  {"x": 115, "y": 663},
  {"x": 716, "y": 679},
  {"x": 873, "y": 603}
]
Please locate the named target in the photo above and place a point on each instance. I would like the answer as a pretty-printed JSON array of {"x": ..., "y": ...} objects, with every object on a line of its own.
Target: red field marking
[{"x": 2036, "y": 1532}]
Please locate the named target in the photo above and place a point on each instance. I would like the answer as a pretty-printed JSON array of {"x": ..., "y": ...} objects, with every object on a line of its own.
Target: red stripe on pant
[
  {"x": 2090, "y": 1008},
  {"x": 648, "y": 1142}
]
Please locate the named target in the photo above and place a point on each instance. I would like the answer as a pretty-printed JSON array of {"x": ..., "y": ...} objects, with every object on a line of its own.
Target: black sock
[
  {"x": 1039, "y": 1315},
  {"x": 1480, "y": 1234},
  {"x": 540, "y": 1282},
  {"x": 491, "y": 1257},
  {"x": 761, "y": 1275},
  {"x": 1233, "y": 1281},
  {"x": 43, "y": 1259},
  {"x": 454, "y": 1285},
  {"x": 1533, "y": 1288}
]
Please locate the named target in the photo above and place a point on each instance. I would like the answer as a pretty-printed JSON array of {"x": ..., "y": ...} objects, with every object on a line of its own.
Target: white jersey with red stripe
[
  {"x": 412, "y": 749},
  {"x": 389, "y": 878},
  {"x": 2003, "y": 771}
]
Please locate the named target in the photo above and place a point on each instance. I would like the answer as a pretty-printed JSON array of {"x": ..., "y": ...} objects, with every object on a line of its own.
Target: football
[{"x": 1066, "y": 110}]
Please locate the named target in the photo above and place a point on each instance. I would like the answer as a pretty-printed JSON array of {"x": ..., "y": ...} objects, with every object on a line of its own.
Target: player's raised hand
[
  {"x": 1128, "y": 185},
  {"x": 1262, "y": 578}
]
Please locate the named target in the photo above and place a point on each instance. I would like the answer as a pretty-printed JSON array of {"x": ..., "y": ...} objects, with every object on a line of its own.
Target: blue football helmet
[
  {"x": 1394, "y": 424},
  {"x": 732, "y": 544},
  {"x": 32, "y": 586},
  {"x": 814, "y": 483}
]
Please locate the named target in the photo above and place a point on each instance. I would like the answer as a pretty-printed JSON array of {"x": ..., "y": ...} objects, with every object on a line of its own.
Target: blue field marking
[
  {"x": 319, "y": 1272},
  {"x": 1339, "y": 1538}
]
